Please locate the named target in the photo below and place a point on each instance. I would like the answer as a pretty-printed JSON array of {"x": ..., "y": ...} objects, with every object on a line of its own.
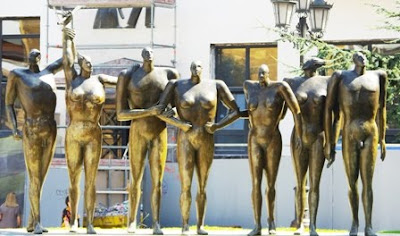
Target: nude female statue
[
  {"x": 141, "y": 87},
  {"x": 85, "y": 96},
  {"x": 310, "y": 91},
  {"x": 196, "y": 103},
  {"x": 360, "y": 96},
  {"x": 265, "y": 101},
  {"x": 35, "y": 89}
]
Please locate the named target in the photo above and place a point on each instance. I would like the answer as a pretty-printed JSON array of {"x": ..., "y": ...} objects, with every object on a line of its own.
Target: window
[{"x": 234, "y": 64}]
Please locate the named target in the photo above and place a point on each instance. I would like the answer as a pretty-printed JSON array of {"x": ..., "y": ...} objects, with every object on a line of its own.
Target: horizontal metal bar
[
  {"x": 127, "y": 167},
  {"x": 20, "y": 36},
  {"x": 111, "y": 192},
  {"x": 113, "y": 147},
  {"x": 102, "y": 126},
  {"x": 115, "y": 46}
]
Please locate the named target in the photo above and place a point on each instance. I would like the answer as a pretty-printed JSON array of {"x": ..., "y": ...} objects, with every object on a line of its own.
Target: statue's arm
[
  {"x": 122, "y": 109},
  {"x": 331, "y": 124},
  {"x": 108, "y": 79},
  {"x": 68, "y": 56},
  {"x": 11, "y": 95},
  {"x": 168, "y": 116},
  {"x": 55, "y": 66},
  {"x": 172, "y": 74},
  {"x": 382, "y": 112},
  {"x": 227, "y": 99},
  {"x": 285, "y": 107},
  {"x": 293, "y": 105}
]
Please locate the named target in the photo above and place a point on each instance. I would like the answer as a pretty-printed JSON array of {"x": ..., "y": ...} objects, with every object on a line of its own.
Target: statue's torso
[{"x": 196, "y": 103}]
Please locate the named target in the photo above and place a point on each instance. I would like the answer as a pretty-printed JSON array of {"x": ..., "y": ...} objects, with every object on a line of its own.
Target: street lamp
[{"x": 317, "y": 9}]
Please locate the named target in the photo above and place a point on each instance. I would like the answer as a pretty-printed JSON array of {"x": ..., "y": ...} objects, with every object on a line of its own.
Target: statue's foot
[
  {"x": 30, "y": 229},
  {"x": 132, "y": 228},
  {"x": 185, "y": 230},
  {"x": 369, "y": 232},
  {"x": 73, "y": 228},
  {"x": 90, "y": 229},
  {"x": 201, "y": 231},
  {"x": 255, "y": 231},
  {"x": 300, "y": 230},
  {"x": 271, "y": 227},
  {"x": 157, "y": 229},
  {"x": 38, "y": 229},
  {"x": 354, "y": 230},
  {"x": 313, "y": 230}
]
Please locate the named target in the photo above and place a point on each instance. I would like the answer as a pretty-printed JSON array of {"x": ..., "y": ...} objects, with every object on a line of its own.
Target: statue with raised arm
[
  {"x": 140, "y": 87},
  {"x": 35, "y": 90},
  {"x": 310, "y": 91},
  {"x": 266, "y": 107},
  {"x": 196, "y": 101},
  {"x": 359, "y": 95},
  {"x": 85, "y": 96}
]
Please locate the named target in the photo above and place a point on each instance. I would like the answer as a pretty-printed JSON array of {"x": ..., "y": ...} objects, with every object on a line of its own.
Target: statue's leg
[
  {"x": 92, "y": 152},
  {"x": 203, "y": 160},
  {"x": 256, "y": 158},
  {"x": 273, "y": 158},
  {"x": 367, "y": 164},
  {"x": 137, "y": 156},
  {"x": 317, "y": 161},
  {"x": 157, "y": 159},
  {"x": 351, "y": 163},
  {"x": 33, "y": 152},
  {"x": 74, "y": 158},
  {"x": 185, "y": 156},
  {"x": 48, "y": 153},
  {"x": 300, "y": 163}
]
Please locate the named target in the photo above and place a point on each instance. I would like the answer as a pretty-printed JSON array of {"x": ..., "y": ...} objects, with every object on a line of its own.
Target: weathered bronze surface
[
  {"x": 359, "y": 95},
  {"x": 35, "y": 90},
  {"x": 265, "y": 102},
  {"x": 310, "y": 91},
  {"x": 85, "y": 96},
  {"x": 141, "y": 87},
  {"x": 196, "y": 103}
]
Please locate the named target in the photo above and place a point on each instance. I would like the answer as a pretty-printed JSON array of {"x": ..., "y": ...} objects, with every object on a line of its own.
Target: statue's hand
[
  {"x": 298, "y": 143},
  {"x": 69, "y": 33},
  {"x": 383, "y": 150},
  {"x": 329, "y": 153},
  {"x": 187, "y": 127},
  {"x": 210, "y": 127},
  {"x": 157, "y": 109},
  {"x": 169, "y": 112},
  {"x": 17, "y": 135},
  {"x": 66, "y": 18}
]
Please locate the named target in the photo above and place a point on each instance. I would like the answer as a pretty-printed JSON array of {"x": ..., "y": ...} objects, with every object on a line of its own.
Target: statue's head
[
  {"x": 196, "y": 68},
  {"x": 147, "y": 54},
  {"x": 85, "y": 63},
  {"x": 34, "y": 57},
  {"x": 359, "y": 59},
  {"x": 263, "y": 73},
  {"x": 313, "y": 64}
]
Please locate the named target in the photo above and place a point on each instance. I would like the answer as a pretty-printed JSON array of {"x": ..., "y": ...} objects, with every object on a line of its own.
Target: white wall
[{"x": 229, "y": 195}]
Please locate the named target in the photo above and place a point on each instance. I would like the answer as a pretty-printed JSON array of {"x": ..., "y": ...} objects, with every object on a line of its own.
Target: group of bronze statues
[{"x": 147, "y": 96}]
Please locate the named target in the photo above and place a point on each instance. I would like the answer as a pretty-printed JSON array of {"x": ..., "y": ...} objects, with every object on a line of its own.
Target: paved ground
[{"x": 170, "y": 232}]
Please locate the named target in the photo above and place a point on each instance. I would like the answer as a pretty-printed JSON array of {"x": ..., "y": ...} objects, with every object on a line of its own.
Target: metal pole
[
  {"x": 1, "y": 71},
  {"x": 303, "y": 32}
]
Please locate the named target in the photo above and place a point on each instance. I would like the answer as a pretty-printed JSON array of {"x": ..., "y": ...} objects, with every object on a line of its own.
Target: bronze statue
[
  {"x": 265, "y": 102},
  {"x": 141, "y": 87},
  {"x": 359, "y": 95},
  {"x": 310, "y": 91},
  {"x": 196, "y": 102},
  {"x": 85, "y": 96},
  {"x": 35, "y": 90}
]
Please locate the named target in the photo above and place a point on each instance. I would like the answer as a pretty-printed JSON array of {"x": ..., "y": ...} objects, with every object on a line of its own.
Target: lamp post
[{"x": 318, "y": 10}]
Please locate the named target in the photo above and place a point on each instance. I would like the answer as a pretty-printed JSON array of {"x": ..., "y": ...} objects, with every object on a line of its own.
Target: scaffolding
[{"x": 122, "y": 163}]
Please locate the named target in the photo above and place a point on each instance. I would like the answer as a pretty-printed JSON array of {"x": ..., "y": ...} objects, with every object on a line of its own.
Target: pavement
[{"x": 170, "y": 232}]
